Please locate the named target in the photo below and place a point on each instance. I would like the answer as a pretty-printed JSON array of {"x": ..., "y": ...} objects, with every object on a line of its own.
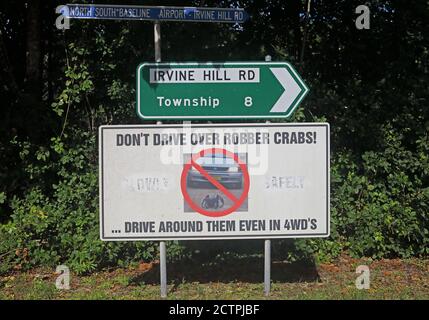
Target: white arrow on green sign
[{"x": 218, "y": 90}]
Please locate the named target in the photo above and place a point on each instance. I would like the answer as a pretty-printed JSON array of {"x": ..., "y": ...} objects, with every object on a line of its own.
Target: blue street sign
[{"x": 124, "y": 12}]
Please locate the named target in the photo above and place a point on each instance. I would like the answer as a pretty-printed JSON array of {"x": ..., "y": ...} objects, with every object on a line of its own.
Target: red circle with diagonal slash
[{"x": 237, "y": 201}]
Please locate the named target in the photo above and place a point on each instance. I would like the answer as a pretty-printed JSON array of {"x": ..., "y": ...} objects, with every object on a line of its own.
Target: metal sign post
[
  {"x": 229, "y": 90},
  {"x": 267, "y": 267},
  {"x": 267, "y": 247},
  {"x": 162, "y": 248},
  {"x": 156, "y": 14},
  {"x": 157, "y": 38},
  {"x": 163, "y": 268}
]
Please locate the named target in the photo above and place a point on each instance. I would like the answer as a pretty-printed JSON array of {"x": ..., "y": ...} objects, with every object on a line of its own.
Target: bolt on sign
[
  {"x": 244, "y": 90},
  {"x": 229, "y": 181}
]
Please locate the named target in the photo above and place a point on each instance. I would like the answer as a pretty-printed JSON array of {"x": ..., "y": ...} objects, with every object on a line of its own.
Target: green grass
[{"x": 390, "y": 279}]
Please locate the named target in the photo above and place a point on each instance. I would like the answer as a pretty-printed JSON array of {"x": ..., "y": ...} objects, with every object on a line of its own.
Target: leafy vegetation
[{"x": 59, "y": 86}]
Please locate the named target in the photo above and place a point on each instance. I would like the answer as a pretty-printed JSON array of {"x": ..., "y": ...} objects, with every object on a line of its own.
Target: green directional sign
[{"x": 218, "y": 90}]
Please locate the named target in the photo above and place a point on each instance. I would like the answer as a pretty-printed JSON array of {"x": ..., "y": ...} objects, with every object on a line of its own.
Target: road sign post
[
  {"x": 162, "y": 247},
  {"x": 163, "y": 268},
  {"x": 229, "y": 90},
  {"x": 157, "y": 40},
  {"x": 156, "y": 14},
  {"x": 267, "y": 267},
  {"x": 244, "y": 90},
  {"x": 267, "y": 248}
]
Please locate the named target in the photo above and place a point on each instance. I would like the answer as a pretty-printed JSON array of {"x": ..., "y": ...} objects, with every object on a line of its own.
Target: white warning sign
[{"x": 171, "y": 182}]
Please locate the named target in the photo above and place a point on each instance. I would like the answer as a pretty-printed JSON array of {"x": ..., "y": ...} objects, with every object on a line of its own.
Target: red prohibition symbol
[{"x": 237, "y": 202}]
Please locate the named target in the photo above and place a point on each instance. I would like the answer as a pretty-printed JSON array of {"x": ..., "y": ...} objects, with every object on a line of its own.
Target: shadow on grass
[{"x": 248, "y": 269}]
